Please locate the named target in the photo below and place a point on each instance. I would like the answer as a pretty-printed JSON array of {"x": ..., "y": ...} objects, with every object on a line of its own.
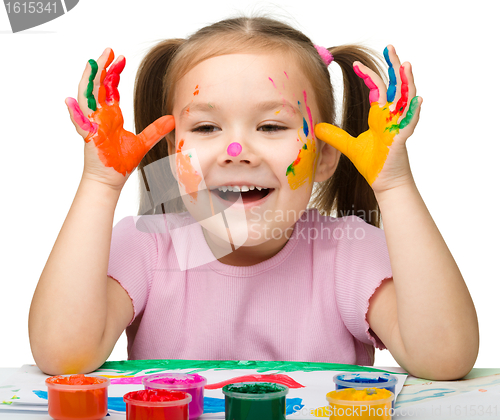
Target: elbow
[
  {"x": 451, "y": 365},
  {"x": 60, "y": 364},
  {"x": 63, "y": 361}
]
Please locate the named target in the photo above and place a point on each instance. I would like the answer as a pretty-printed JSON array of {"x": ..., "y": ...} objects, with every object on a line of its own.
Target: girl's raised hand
[
  {"x": 111, "y": 152},
  {"x": 379, "y": 153}
]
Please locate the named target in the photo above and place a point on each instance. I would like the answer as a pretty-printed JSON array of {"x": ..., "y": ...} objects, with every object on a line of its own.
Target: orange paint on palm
[
  {"x": 117, "y": 148},
  {"x": 189, "y": 178}
]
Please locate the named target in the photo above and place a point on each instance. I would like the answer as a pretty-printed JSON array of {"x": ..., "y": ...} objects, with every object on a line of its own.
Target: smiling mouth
[{"x": 247, "y": 197}]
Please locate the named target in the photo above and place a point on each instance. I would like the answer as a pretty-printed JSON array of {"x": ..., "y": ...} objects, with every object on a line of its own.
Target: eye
[
  {"x": 205, "y": 129},
  {"x": 269, "y": 128}
]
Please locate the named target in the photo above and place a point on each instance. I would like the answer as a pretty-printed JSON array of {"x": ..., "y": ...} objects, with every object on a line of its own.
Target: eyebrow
[{"x": 264, "y": 106}]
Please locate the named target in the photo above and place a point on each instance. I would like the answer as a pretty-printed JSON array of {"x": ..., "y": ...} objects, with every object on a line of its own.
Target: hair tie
[{"x": 325, "y": 55}]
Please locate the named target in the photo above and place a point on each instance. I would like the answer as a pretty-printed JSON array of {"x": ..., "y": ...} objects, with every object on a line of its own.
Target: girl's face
[{"x": 250, "y": 120}]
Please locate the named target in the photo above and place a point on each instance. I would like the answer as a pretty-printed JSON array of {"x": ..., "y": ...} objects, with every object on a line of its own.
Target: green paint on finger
[
  {"x": 409, "y": 115},
  {"x": 90, "y": 87}
]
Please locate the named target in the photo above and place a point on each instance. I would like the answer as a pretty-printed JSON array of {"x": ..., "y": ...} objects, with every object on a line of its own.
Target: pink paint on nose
[{"x": 234, "y": 149}]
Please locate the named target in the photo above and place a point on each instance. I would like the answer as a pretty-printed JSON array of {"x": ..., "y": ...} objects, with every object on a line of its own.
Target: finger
[
  {"x": 412, "y": 90},
  {"x": 373, "y": 82},
  {"x": 82, "y": 87},
  {"x": 394, "y": 64},
  {"x": 155, "y": 131},
  {"x": 409, "y": 122},
  {"x": 112, "y": 80},
  {"x": 403, "y": 100},
  {"x": 334, "y": 136},
  {"x": 81, "y": 122},
  {"x": 88, "y": 82},
  {"x": 106, "y": 60}
]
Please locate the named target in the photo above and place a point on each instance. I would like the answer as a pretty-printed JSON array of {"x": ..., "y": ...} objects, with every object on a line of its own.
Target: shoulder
[{"x": 155, "y": 225}]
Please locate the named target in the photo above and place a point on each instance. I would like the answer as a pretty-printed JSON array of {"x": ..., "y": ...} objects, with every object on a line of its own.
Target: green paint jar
[{"x": 255, "y": 400}]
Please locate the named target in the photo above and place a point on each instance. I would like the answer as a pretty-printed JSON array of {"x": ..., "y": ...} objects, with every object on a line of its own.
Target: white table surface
[{"x": 443, "y": 409}]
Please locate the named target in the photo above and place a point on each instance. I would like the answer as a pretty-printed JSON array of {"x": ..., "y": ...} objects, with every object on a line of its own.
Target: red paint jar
[
  {"x": 157, "y": 404},
  {"x": 72, "y": 397}
]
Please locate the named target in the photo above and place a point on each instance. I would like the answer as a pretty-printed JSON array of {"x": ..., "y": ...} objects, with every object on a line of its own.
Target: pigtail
[
  {"x": 149, "y": 105},
  {"x": 347, "y": 191}
]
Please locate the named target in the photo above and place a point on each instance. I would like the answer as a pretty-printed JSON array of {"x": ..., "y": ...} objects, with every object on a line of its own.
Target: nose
[
  {"x": 234, "y": 149},
  {"x": 238, "y": 152}
]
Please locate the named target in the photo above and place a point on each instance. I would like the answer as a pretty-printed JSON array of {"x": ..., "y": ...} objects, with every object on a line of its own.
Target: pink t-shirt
[{"x": 306, "y": 303}]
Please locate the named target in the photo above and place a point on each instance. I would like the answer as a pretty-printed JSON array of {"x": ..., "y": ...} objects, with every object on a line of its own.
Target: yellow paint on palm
[{"x": 369, "y": 151}]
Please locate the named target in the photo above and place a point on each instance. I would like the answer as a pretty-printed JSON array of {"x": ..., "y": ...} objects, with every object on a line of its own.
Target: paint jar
[
  {"x": 360, "y": 404},
  {"x": 255, "y": 400},
  {"x": 362, "y": 380},
  {"x": 193, "y": 384},
  {"x": 157, "y": 404},
  {"x": 77, "y": 397}
]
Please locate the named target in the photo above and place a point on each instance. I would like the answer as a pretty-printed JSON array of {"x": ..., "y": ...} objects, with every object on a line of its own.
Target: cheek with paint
[
  {"x": 304, "y": 166},
  {"x": 189, "y": 178}
]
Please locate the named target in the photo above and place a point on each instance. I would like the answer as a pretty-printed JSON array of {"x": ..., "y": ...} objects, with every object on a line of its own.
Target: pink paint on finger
[
  {"x": 111, "y": 81},
  {"x": 77, "y": 114},
  {"x": 234, "y": 149},
  {"x": 374, "y": 93}
]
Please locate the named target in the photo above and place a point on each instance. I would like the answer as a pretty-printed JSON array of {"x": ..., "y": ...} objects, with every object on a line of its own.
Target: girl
[{"x": 261, "y": 276}]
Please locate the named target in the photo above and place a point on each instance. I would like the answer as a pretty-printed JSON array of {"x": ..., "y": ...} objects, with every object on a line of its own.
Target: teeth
[{"x": 237, "y": 188}]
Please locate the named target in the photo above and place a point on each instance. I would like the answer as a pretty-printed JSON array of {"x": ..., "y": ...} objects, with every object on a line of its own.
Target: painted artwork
[{"x": 308, "y": 383}]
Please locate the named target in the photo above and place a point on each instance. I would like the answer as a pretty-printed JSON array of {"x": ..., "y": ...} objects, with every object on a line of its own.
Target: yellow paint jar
[{"x": 366, "y": 404}]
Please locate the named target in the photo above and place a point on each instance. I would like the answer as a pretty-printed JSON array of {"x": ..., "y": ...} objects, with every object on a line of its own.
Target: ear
[{"x": 327, "y": 161}]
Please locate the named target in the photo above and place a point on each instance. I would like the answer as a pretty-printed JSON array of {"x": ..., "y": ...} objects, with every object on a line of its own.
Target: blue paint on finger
[{"x": 391, "y": 90}]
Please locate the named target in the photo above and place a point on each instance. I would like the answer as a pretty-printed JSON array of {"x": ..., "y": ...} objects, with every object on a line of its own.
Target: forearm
[
  {"x": 436, "y": 316},
  {"x": 68, "y": 311}
]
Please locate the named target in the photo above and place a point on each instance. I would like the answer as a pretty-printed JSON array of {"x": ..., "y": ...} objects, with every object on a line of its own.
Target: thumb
[
  {"x": 157, "y": 130},
  {"x": 334, "y": 136}
]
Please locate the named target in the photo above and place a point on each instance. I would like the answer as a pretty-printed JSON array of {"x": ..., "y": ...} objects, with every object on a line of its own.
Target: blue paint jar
[{"x": 364, "y": 380}]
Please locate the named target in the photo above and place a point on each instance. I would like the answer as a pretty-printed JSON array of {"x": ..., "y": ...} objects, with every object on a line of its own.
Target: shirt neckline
[{"x": 252, "y": 270}]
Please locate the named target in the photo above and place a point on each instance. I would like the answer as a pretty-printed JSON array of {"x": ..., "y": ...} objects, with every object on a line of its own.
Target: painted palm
[
  {"x": 117, "y": 147},
  {"x": 370, "y": 150}
]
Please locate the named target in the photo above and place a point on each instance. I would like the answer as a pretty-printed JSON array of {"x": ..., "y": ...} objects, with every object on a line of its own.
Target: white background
[{"x": 454, "y": 50}]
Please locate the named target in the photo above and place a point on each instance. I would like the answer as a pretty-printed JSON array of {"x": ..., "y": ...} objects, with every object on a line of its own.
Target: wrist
[
  {"x": 397, "y": 192},
  {"x": 107, "y": 193}
]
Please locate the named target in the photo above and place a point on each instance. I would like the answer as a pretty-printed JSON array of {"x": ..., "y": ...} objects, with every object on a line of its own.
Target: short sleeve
[
  {"x": 362, "y": 263},
  {"x": 132, "y": 260}
]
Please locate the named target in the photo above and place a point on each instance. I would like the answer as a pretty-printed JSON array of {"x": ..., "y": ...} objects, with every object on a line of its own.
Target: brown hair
[{"x": 346, "y": 192}]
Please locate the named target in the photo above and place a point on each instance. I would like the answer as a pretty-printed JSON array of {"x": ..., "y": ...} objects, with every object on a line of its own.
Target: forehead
[{"x": 252, "y": 75}]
